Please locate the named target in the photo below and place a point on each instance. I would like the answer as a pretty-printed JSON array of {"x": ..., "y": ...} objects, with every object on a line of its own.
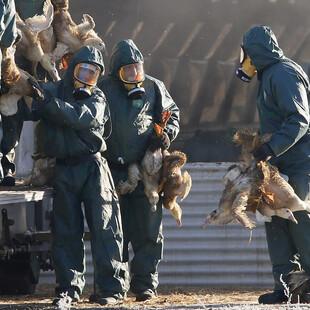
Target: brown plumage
[
  {"x": 16, "y": 83},
  {"x": 174, "y": 183},
  {"x": 164, "y": 175},
  {"x": 70, "y": 36},
  {"x": 255, "y": 187}
]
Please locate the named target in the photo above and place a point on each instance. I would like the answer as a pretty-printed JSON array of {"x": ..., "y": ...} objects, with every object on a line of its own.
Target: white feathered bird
[{"x": 30, "y": 46}]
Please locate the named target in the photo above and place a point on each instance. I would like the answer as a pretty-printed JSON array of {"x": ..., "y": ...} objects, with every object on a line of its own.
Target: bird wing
[
  {"x": 39, "y": 23},
  {"x": 226, "y": 219},
  {"x": 152, "y": 161},
  {"x": 262, "y": 218},
  {"x": 134, "y": 173},
  {"x": 238, "y": 208},
  {"x": 128, "y": 186},
  {"x": 186, "y": 185},
  {"x": 231, "y": 175}
]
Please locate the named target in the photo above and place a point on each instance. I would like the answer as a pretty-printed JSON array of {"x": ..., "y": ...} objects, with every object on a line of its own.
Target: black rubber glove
[
  {"x": 162, "y": 142},
  {"x": 262, "y": 152},
  {"x": 37, "y": 92}
]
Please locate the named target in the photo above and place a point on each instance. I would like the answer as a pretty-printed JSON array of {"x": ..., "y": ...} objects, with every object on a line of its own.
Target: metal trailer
[{"x": 24, "y": 237}]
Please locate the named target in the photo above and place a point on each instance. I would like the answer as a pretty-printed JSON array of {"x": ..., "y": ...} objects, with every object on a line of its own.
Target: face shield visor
[
  {"x": 247, "y": 69},
  {"x": 85, "y": 78},
  {"x": 132, "y": 76},
  {"x": 87, "y": 73}
]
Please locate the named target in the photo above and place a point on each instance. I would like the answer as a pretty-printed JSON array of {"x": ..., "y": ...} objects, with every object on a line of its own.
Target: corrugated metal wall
[{"x": 216, "y": 256}]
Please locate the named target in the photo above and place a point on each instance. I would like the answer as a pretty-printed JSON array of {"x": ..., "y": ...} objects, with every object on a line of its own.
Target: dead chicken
[
  {"x": 70, "y": 36},
  {"x": 256, "y": 187},
  {"x": 30, "y": 46}
]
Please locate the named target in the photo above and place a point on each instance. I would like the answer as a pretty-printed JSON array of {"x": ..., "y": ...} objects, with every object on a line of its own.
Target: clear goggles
[
  {"x": 133, "y": 73},
  {"x": 87, "y": 73}
]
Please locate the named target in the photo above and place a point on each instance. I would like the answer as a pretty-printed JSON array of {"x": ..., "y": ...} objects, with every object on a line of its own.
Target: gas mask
[
  {"x": 85, "y": 78},
  {"x": 132, "y": 76},
  {"x": 247, "y": 69}
]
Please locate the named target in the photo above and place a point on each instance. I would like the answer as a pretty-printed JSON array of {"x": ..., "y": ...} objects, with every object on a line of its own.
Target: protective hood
[
  {"x": 123, "y": 53},
  {"x": 86, "y": 54},
  {"x": 262, "y": 46}
]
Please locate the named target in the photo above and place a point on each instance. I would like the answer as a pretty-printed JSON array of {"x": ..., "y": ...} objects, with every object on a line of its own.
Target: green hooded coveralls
[
  {"x": 8, "y": 34},
  {"x": 75, "y": 128},
  {"x": 132, "y": 129},
  {"x": 283, "y": 107}
]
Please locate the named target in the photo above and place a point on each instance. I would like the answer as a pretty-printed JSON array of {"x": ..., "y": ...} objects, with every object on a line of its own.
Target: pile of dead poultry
[
  {"x": 254, "y": 186},
  {"x": 48, "y": 39}
]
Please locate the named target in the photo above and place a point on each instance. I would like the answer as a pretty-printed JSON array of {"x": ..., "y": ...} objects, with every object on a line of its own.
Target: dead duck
[
  {"x": 256, "y": 187},
  {"x": 150, "y": 178},
  {"x": 70, "y": 36},
  {"x": 30, "y": 46},
  {"x": 160, "y": 171},
  {"x": 148, "y": 171},
  {"x": 46, "y": 36},
  {"x": 174, "y": 183}
]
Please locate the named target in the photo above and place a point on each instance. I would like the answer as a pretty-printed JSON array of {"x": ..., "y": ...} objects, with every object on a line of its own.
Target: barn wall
[{"x": 216, "y": 256}]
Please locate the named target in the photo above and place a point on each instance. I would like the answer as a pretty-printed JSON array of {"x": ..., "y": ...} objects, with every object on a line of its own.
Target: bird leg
[{"x": 161, "y": 185}]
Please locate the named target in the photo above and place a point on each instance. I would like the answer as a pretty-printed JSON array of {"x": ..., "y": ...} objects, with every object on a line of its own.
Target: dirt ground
[{"x": 169, "y": 297}]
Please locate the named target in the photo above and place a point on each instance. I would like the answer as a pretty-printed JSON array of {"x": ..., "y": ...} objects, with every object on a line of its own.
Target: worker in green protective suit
[
  {"x": 8, "y": 34},
  {"x": 283, "y": 107},
  {"x": 74, "y": 112},
  {"x": 12, "y": 125},
  {"x": 137, "y": 101}
]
